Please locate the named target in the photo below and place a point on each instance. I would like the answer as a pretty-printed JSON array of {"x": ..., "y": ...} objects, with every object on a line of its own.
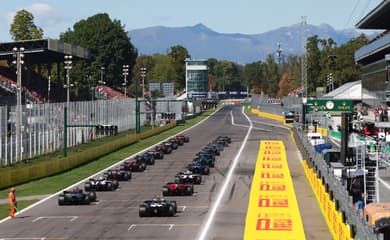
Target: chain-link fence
[{"x": 42, "y": 125}]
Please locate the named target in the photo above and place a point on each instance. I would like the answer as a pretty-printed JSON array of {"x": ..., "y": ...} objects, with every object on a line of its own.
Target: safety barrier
[
  {"x": 273, "y": 211},
  {"x": 335, "y": 220},
  {"x": 33, "y": 171}
]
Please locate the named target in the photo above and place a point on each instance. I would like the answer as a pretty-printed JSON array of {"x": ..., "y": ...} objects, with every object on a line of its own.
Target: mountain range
[{"x": 203, "y": 42}]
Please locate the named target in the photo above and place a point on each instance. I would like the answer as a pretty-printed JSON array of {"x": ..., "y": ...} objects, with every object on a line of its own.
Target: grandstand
[{"x": 38, "y": 53}]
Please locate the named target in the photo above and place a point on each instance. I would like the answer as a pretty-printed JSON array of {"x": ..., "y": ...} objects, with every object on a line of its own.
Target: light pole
[
  {"x": 68, "y": 66},
  {"x": 125, "y": 73},
  {"x": 143, "y": 75},
  {"x": 101, "y": 76},
  {"x": 18, "y": 60}
]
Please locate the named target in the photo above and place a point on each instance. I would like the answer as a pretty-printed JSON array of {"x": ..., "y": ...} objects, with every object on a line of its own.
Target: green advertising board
[{"x": 333, "y": 106}]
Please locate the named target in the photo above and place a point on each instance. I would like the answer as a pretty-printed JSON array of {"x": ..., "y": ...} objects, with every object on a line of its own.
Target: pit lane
[{"x": 115, "y": 215}]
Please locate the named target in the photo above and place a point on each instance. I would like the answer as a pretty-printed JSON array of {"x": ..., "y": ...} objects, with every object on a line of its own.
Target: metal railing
[{"x": 42, "y": 130}]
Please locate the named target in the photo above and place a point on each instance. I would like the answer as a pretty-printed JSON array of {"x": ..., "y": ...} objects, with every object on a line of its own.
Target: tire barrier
[
  {"x": 273, "y": 211},
  {"x": 328, "y": 205},
  {"x": 35, "y": 170}
]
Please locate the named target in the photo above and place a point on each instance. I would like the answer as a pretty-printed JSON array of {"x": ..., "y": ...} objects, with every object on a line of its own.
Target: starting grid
[{"x": 273, "y": 211}]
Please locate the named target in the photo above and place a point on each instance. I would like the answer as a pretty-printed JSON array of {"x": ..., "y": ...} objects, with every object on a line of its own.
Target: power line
[
  {"x": 364, "y": 9},
  {"x": 352, "y": 13}
]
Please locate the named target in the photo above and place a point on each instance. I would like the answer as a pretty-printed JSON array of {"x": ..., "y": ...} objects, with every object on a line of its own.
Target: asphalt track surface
[{"x": 115, "y": 215}]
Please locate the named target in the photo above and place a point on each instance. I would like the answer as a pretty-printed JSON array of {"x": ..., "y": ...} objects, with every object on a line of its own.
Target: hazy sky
[{"x": 227, "y": 16}]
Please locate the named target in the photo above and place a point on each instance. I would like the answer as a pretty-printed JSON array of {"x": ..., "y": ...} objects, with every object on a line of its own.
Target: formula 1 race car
[
  {"x": 134, "y": 165},
  {"x": 76, "y": 197},
  {"x": 117, "y": 174},
  {"x": 146, "y": 158},
  {"x": 178, "y": 189},
  {"x": 178, "y": 141},
  {"x": 188, "y": 177},
  {"x": 204, "y": 160},
  {"x": 208, "y": 154},
  {"x": 198, "y": 168},
  {"x": 174, "y": 143},
  {"x": 167, "y": 147},
  {"x": 224, "y": 140},
  {"x": 158, "y": 207},
  {"x": 183, "y": 137},
  {"x": 157, "y": 154},
  {"x": 101, "y": 184}
]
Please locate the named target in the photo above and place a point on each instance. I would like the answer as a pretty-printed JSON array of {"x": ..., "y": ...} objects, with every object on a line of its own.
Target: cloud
[{"x": 43, "y": 13}]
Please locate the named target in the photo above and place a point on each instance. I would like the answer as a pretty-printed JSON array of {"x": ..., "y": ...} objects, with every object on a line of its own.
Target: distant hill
[{"x": 203, "y": 42}]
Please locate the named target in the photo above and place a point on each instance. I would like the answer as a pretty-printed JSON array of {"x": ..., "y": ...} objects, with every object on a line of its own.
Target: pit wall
[{"x": 43, "y": 169}]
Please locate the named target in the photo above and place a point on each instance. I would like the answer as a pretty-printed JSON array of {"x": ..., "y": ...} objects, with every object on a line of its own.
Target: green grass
[
  {"x": 4, "y": 208},
  {"x": 55, "y": 183}
]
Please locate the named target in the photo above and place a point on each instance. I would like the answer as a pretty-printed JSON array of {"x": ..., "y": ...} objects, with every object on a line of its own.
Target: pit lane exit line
[
  {"x": 72, "y": 218},
  {"x": 245, "y": 126}
]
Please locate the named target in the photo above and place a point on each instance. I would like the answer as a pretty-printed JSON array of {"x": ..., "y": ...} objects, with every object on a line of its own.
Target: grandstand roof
[
  {"x": 378, "y": 18},
  {"x": 350, "y": 90},
  {"x": 43, "y": 50}
]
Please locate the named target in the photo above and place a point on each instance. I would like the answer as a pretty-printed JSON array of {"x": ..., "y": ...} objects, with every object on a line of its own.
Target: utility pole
[{"x": 304, "y": 59}]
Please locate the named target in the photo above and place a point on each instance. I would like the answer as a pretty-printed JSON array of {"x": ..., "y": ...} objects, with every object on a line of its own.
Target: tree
[
  {"x": 109, "y": 45},
  {"x": 313, "y": 65},
  {"x": 286, "y": 84},
  {"x": 272, "y": 76},
  {"x": 23, "y": 27},
  {"x": 178, "y": 55},
  {"x": 163, "y": 70}
]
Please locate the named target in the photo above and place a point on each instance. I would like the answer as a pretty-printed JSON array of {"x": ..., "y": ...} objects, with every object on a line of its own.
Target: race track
[{"x": 115, "y": 215}]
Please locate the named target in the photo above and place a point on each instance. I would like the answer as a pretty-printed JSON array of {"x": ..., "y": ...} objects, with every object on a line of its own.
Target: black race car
[
  {"x": 119, "y": 174},
  {"x": 178, "y": 189},
  {"x": 157, "y": 154},
  {"x": 134, "y": 165},
  {"x": 174, "y": 143},
  {"x": 179, "y": 141},
  {"x": 207, "y": 154},
  {"x": 168, "y": 147},
  {"x": 204, "y": 160},
  {"x": 162, "y": 147},
  {"x": 188, "y": 177},
  {"x": 199, "y": 168},
  {"x": 158, "y": 207},
  {"x": 146, "y": 158},
  {"x": 76, "y": 197},
  {"x": 101, "y": 184},
  {"x": 183, "y": 137},
  {"x": 226, "y": 139}
]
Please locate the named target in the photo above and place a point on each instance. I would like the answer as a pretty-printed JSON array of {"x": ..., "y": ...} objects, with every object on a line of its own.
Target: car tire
[
  {"x": 165, "y": 192},
  {"x": 110, "y": 187},
  {"x": 61, "y": 200},
  {"x": 143, "y": 211},
  {"x": 174, "y": 204},
  {"x": 87, "y": 187}
]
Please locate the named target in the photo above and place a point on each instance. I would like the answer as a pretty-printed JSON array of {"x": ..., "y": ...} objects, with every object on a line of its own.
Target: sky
[{"x": 225, "y": 16}]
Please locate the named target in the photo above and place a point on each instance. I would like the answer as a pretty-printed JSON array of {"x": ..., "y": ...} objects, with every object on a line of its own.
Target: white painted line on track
[
  {"x": 272, "y": 125},
  {"x": 100, "y": 172},
  {"x": 32, "y": 238},
  {"x": 72, "y": 218},
  {"x": 170, "y": 226},
  {"x": 245, "y": 126},
  {"x": 229, "y": 175}
]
